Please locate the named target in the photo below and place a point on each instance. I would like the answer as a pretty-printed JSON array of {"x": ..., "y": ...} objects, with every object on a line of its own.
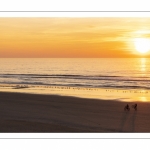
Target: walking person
[
  {"x": 127, "y": 107},
  {"x": 134, "y": 106}
]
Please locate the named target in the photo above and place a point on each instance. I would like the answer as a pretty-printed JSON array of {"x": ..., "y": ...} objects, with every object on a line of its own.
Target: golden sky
[{"x": 72, "y": 37}]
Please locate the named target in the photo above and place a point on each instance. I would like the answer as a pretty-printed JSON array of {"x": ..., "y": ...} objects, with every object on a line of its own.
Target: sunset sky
[{"x": 73, "y": 37}]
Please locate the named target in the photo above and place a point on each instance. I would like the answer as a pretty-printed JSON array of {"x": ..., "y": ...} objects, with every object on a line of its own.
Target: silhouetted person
[
  {"x": 127, "y": 107},
  {"x": 134, "y": 106}
]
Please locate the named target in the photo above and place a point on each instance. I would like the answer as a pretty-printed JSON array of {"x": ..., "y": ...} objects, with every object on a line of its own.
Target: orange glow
[{"x": 71, "y": 37}]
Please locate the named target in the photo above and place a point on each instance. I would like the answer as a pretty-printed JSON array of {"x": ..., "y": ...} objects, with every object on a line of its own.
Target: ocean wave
[
  {"x": 84, "y": 77},
  {"x": 73, "y": 80},
  {"x": 23, "y": 84}
]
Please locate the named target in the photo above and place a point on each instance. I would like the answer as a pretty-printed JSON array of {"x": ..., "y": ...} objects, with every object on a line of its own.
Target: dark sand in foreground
[{"x": 49, "y": 113}]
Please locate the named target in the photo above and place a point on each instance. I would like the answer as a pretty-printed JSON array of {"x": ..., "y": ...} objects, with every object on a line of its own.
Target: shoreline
[
  {"x": 126, "y": 95},
  {"x": 66, "y": 114}
]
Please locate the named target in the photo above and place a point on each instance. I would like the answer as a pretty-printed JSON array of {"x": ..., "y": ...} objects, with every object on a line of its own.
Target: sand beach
[{"x": 34, "y": 113}]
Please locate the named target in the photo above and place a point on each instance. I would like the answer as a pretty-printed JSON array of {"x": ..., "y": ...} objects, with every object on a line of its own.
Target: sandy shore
[{"x": 49, "y": 113}]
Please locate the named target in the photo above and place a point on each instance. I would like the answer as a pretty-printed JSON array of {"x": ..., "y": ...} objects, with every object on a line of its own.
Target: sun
[{"x": 142, "y": 45}]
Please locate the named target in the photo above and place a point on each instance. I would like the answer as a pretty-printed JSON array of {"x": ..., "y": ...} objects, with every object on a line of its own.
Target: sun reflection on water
[
  {"x": 143, "y": 64},
  {"x": 143, "y": 99}
]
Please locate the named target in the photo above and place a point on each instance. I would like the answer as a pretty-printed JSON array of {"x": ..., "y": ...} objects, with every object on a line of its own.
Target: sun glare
[{"x": 142, "y": 45}]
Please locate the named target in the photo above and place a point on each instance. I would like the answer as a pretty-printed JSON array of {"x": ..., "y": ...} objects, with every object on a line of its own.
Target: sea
[{"x": 100, "y": 78}]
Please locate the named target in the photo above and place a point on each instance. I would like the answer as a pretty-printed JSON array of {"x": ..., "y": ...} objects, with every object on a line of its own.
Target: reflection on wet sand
[{"x": 131, "y": 95}]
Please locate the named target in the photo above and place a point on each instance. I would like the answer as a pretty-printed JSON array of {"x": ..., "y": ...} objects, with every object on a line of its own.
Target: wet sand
[{"x": 34, "y": 113}]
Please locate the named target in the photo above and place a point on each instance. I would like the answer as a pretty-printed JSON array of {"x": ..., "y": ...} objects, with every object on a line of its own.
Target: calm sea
[{"x": 77, "y": 72}]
